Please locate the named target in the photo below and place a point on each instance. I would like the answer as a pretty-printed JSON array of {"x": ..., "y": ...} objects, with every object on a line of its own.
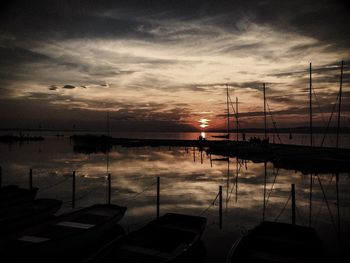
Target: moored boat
[
  {"x": 15, "y": 218},
  {"x": 278, "y": 242},
  {"x": 66, "y": 237},
  {"x": 171, "y": 238},
  {"x": 13, "y": 195}
]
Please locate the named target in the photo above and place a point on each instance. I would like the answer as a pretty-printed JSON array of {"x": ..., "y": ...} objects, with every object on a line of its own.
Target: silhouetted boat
[
  {"x": 66, "y": 237},
  {"x": 278, "y": 242},
  {"x": 15, "y": 218},
  {"x": 170, "y": 238},
  {"x": 12, "y": 195}
]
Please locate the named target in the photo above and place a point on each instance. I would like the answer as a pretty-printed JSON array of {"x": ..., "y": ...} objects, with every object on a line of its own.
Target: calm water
[{"x": 189, "y": 183}]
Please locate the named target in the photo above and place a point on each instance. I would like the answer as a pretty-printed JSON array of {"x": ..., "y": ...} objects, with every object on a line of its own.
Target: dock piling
[{"x": 73, "y": 190}]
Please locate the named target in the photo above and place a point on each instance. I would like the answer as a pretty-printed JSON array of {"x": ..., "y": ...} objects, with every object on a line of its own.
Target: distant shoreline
[{"x": 295, "y": 130}]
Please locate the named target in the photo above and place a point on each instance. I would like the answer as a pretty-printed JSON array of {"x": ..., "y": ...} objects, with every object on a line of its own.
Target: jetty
[{"x": 306, "y": 159}]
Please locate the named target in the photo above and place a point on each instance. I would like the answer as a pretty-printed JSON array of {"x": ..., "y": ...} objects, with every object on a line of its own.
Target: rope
[
  {"x": 285, "y": 205},
  {"x": 55, "y": 184},
  {"x": 329, "y": 121},
  {"x": 273, "y": 122},
  {"x": 233, "y": 186},
  {"x": 325, "y": 199},
  {"x": 267, "y": 199},
  {"x": 319, "y": 106},
  {"x": 137, "y": 194},
  {"x": 299, "y": 216},
  {"x": 321, "y": 206},
  {"x": 210, "y": 205}
]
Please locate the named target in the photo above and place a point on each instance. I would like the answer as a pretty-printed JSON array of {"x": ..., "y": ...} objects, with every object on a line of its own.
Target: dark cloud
[
  {"x": 68, "y": 19},
  {"x": 68, "y": 86},
  {"x": 53, "y": 87}
]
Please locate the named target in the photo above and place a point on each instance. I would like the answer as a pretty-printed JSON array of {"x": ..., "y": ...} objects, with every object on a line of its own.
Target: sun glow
[{"x": 203, "y": 123}]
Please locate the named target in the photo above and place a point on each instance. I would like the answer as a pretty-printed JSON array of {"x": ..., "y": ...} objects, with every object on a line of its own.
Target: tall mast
[
  {"x": 310, "y": 99},
  {"x": 228, "y": 113},
  {"x": 339, "y": 106},
  {"x": 108, "y": 129},
  {"x": 265, "y": 111},
  {"x": 237, "y": 118}
]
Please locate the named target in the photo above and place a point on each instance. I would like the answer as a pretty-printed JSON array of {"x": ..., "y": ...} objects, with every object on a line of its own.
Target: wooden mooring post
[
  {"x": 158, "y": 197},
  {"x": 220, "y": 207},
  {"x": 109, "y": 188},
  {"x": 293, "y": 204},
  {"x": 73, "y": 189},
  {"x": 30, "y": 178}
]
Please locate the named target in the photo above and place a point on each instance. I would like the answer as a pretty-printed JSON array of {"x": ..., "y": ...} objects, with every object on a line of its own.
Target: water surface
[{"x": 190, "y": 182}]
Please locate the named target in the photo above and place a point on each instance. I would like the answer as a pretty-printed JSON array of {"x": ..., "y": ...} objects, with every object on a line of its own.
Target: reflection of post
[
  {"x": 0, "y": 177},
  {"x": 109, "y": 188},
  {"x": 73, "y": 190},
  {"x": 201, "y": 156},
  {"x": 158, "y": 192},
  {"x": 293, "y": 204},
  {"x": 211, "y": 162},
  {"x": 220, "y": 207},
  {"x": 30, "y": 178},
  {"x": 194, "y": 155},
  {"x": 310, "y": 205},
  {"x": 227, "y": 182},
  {"x": 265, "y": 175}
]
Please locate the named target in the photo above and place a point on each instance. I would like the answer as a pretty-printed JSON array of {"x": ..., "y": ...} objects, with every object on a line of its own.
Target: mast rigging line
[{"x": 273, "y": 122}]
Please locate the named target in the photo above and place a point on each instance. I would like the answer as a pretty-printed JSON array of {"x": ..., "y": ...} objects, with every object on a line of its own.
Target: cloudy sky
[{"x": 164, "y": 65}]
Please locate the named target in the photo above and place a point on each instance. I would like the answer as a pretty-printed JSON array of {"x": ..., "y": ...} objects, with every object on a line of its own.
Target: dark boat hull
[
  {"x": 66, "y": 237},
  {"x": 167, "y": 239},
  {"x": 15, "y": 219},
  {"x": 13, "y": 195},
  {"x": 278, "y": 242}
]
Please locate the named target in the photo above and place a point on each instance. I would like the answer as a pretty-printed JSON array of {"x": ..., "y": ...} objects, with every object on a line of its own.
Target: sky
[{"x": 164, "y": 65}]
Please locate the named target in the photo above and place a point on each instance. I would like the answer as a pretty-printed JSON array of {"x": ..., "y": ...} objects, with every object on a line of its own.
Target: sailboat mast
[
  {"x": 237, "y": 118},
  {"x": 108, "y": 129},
  {"x": 339, "y": 106},
  {"x": 310, "y": 105},
  {"x": 265, "y": 111},
  {"x": 228, "y": 113}
]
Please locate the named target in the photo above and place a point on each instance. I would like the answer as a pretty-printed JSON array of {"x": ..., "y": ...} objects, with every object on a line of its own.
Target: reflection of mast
[
  {"x": 237, "y": 118},
  {"x": 265, "y": 175},
  {"x": 310, "y": 205},
  {"x": 310, "y": 106},
  {"x": 228, "y": 113},
  {"x": 228, "y": 182},
  {"x": 338, "y": 209},
  {"x": 237, "y": 172}
]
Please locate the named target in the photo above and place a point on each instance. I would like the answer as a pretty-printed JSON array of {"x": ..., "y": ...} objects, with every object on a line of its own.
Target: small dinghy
[
  {"x": 278, "y": 242},
  {"x": 167, "y": 239},
  {"x": 66, "y": 237}
]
